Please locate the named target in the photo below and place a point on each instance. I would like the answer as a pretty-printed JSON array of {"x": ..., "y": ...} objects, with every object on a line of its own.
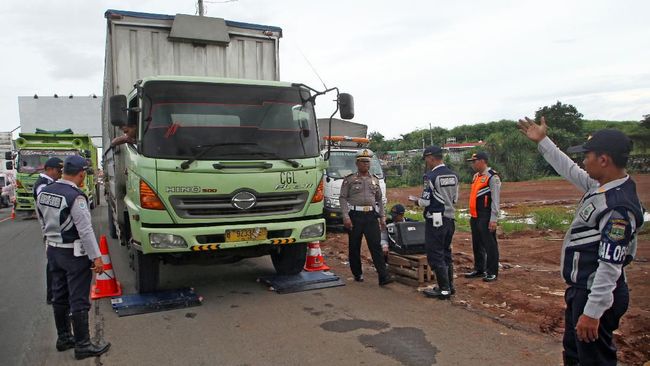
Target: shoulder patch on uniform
[
  {"x": 586, "y": 212},
  {"x": 82, "y": 205},
  {"x": 617, "y": 229}
]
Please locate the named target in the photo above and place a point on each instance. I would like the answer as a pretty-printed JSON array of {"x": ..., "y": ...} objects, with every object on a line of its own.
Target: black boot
[
  {"x": 83, "y": 348},
  {"x": 64, "y": 339},
  {"x": 441, "y": 292}
]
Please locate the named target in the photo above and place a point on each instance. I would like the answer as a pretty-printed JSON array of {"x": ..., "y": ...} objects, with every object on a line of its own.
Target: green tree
[
  {"x": 645, "y": 122},
  {"x": 561, "y": 116},
  {"x": 511, "y": 155}
]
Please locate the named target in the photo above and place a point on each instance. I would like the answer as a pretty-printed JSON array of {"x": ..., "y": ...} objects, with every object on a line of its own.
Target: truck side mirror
[
  {"x": 9, "y": 165},
  {"x": 8, "y": 155},
  {"x": 118, "y": 110},
  {"x": 346, "y": 105}
]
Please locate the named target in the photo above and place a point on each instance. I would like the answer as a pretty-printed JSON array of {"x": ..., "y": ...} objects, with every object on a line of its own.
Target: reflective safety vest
[{"x": 480, "y": 195}]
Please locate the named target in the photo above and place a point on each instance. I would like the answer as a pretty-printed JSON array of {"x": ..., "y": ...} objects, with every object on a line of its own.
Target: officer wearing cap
[
  {"x": 484, "y": 197},
  {"x": 73, "y": 254},
  {"x": 51, "y": 173},
  {"x": 438, "y": 197},
  {"x": 363, "y": 214},
  {"x": 600, "y": 242},
  {"x": 396, "y": 216}
]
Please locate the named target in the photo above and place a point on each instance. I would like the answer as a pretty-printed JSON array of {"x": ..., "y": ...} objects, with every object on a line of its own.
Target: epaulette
[{"x": 376, "y": 176}]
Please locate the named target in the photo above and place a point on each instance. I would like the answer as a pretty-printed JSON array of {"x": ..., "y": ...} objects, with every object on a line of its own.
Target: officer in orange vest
[{"x": 484, "y": 210}]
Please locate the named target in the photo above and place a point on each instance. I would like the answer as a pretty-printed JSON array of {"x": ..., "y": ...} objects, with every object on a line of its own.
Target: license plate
[{"x": 258, "y": 233}]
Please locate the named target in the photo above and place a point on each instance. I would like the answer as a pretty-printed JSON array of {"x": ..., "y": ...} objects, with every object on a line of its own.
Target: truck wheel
[
  {"x": 111, "y": 224},
  {"x": 290, "y": 259},
  {"x": 146, "y": 271}
]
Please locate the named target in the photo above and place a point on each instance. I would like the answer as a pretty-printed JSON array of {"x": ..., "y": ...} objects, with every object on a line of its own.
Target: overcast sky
[{"x": 407, "y": 63}]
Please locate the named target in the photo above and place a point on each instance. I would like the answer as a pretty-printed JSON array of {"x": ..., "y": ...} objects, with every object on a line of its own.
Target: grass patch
[
  {"x": 513, "y": 227},
  {"x": 554, "y": 218}
]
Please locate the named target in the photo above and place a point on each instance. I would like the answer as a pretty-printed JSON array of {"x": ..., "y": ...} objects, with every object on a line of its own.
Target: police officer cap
[
  {"x": 364, "y": 155},
  {"x": 479, "y": 156},
  {"x": 54, "y": 163},
  {"x": 74, "y": 164},
  {"x": 398, "y": 209},
  {"x": 608, "y": 140},
  {"x": 432, "y": 150}
]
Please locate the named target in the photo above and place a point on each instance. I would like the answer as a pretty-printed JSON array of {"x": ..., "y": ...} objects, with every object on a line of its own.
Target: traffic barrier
[
  {"x": 106, "y": 285},
  {"x": 315, "y": 261}
]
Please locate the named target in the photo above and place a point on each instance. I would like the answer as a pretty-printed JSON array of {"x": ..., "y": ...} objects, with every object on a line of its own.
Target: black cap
[
  {"x": 74, "y": 164},
  {"x": 608, "y": 140},
  {"x": 54, "y": 163},
  {"x": 398, "y": 209},
  {"x": 479, "y": 156},
  {"x": 432, "y": 150}
]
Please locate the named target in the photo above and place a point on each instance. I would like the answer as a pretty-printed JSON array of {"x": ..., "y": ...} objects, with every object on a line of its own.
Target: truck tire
[
  {"x": 290, "y": 259},
  {"x": 112, "y": 231},
  {"x": 146, "y": 271}
]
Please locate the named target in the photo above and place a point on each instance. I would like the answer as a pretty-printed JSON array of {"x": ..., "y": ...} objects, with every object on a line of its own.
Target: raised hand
[{"x": 535, "y": 132}]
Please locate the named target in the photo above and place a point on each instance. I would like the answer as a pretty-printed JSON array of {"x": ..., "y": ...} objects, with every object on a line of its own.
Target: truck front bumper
[{"x": 178, "y": 239}]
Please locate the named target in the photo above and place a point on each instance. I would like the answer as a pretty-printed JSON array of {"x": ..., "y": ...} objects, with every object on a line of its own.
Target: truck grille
[{"x": 220, "y": 206}]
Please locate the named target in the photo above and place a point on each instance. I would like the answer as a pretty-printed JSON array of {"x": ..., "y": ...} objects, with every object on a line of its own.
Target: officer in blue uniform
[
  {"x": 439, "y": 195},
  {"x": 73, "y": 254},
  {"x": 600, "y": 242},
  {"x": 51, "y": 173}
]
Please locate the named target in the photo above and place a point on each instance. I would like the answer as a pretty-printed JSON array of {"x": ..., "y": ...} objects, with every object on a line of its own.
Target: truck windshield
[
  {"x": 33, "y": 161},
  {"x": 180, "y": 118},
  {"x": 343, "y": 163}
]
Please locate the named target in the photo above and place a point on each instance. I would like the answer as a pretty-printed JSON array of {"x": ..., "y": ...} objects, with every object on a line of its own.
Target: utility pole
[
  {"x": 200, "y": 3},
  {"x": 430, "y": 134}
]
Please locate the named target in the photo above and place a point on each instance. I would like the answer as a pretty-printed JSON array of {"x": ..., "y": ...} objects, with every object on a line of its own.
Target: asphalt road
[{"x": 241, "y": 322}]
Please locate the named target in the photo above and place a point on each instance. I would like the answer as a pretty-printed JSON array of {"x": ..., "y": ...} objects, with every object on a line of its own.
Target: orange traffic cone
[
  {"x": 106, "y": 285},
  {"x": 13, "y": 212},
  {"x": 315, "y": 260}
]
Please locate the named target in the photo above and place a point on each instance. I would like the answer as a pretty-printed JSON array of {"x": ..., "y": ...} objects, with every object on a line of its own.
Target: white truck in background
[{"x": 345, "y": 140}]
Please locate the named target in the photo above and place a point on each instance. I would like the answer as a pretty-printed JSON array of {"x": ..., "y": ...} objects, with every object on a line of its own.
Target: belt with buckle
[
  {"x": 60, "y": 245},
  {"x": 363, "y": 208}
]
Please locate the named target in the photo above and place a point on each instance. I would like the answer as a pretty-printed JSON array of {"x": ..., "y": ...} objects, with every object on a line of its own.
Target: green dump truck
[
  {"x": 33, "y": 150},
  {"x": 226, "y": 162}
]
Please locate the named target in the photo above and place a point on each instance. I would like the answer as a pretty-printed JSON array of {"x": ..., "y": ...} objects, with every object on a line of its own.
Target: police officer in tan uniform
[{"x": 363, "y": 214}]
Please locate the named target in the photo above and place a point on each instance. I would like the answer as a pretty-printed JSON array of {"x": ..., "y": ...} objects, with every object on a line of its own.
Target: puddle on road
[
  {"x": 408, "y": 346},
  {"x": 348, "y": 325}
]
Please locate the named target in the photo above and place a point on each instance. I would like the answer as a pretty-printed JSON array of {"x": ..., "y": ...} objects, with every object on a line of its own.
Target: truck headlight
[
  {"x": 166, "y": 241},
  {"x": 312, "y": 231},
  {"x": 332, "y": 203}
]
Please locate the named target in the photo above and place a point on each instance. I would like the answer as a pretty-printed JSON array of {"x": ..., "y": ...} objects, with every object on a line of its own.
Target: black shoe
[
  {"x": 358, "y": 278},
  {"x": 65, "y": 342},
  {"x": 490, "y": 278},
  {"x": 83, "y": 347},
  {"x": 435, "y": 288},
  {"x": 386, "y": 281},
  {"x": 437, "y": 293},
  {"x": 475, "y": 274}
]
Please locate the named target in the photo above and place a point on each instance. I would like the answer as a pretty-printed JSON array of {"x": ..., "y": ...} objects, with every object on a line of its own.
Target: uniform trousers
[
  {"x": 602, "y": 351},
  {"x": 71, "y": 278},
  {"x": 484, "y": 246},
  {"x": 365, "y": 224},
  {"x": 438, "y": 242}
]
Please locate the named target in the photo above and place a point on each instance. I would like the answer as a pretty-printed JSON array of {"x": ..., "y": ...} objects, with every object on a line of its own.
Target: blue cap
[
  {"x": 432, "y": 150},
  {"x": 479, "y": 156},
  {"x": 74, "y": 164},
  {"x": 54, "y": 163},
  {"x": 398, "y": 209},
  {"x": 608, "y": 140}
]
